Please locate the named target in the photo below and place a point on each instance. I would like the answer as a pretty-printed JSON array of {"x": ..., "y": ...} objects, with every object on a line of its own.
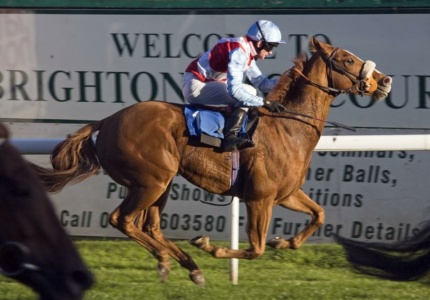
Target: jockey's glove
[{"x": 273, "y": 106}]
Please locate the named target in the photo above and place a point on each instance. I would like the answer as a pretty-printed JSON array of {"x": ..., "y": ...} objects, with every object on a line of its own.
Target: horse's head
[
  {"x": 348, "y": 73},
  {"x": 34, "y": 248}
]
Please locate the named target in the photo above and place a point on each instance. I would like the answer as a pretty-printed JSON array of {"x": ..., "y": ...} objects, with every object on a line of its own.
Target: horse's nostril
[
  {"x": 387, "y": 81},
  {"x": 83, "y": 278}
]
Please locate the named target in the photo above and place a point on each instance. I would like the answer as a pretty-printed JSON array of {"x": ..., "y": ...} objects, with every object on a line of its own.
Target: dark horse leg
[
  {"x": 300, "y": 202},
  {"x": 124, "y": 219}
]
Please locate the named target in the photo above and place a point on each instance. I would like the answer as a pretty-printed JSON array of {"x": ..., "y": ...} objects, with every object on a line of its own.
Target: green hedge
[{"x": 212, "y": 4}]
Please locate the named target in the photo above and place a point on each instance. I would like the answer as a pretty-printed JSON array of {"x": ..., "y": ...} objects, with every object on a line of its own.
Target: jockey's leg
[
  {"x": 232, "y": 140},
  {"x": 212, "y": 93}
]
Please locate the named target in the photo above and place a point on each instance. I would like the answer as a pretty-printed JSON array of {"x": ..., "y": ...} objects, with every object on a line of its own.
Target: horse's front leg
[
  {"x": 300, "y": 202},
  {"x": 259, "y": 214}
]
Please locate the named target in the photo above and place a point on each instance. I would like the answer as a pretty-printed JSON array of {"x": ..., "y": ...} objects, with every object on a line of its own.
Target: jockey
[{"x": 216, "y": 78}]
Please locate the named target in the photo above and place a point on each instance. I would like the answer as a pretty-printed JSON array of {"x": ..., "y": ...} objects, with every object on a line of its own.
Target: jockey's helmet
[{"x": 265, "y": 31}]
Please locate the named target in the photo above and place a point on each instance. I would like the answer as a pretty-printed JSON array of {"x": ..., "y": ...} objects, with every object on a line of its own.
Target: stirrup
[
  {"x": 236, "y": 143},
  {"x": 247, "y": 143}
]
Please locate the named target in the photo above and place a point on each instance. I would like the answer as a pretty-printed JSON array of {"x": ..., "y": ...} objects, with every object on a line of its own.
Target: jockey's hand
[{"x": 273, "y": 106}]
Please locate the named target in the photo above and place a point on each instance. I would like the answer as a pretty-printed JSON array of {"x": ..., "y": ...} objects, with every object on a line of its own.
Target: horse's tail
[
  {"x": 404, "y": 261},
  {"x": 73, "y": 160}
]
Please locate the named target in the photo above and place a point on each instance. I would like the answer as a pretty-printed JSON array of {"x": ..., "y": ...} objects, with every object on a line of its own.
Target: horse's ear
[
  {"x": 312, "y": 46},
  {"x": 316, "y": 46}
]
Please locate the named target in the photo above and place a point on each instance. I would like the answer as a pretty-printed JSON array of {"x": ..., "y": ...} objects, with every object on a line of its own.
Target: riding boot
[{"x": 232, "y": 140}]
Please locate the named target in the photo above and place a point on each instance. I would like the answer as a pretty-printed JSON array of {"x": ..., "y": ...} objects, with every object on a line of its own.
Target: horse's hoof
[
  {"x": 163, "y": 272},
  {"x": 200, "y": 241},
  {"x": 198, "y": 278},
  {"x": 276, "y": 242}
]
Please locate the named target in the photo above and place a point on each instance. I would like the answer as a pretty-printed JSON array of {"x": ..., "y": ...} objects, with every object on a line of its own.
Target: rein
[
  {"x": 320, "y": 120},
  {"x": 321, "y": 87}
]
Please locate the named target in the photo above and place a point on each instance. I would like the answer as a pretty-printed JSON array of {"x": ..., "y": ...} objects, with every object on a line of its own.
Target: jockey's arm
[
  {"x": 236, "y": 68},
  {"x": 258, "y": 80}
]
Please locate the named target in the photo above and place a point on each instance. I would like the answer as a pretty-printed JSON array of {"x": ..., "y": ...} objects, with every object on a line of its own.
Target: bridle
[
  {"x": 14, "y": 256},
  {"x": 360, "y": 84}
]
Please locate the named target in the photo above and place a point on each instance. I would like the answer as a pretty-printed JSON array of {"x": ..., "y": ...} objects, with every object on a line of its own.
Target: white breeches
[{"x": 213, "y": 93}]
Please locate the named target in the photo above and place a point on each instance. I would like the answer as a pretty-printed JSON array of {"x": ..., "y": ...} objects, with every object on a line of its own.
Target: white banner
[
  {"x": 62, "y": 68},
  {"x": 86, "y": 67}
]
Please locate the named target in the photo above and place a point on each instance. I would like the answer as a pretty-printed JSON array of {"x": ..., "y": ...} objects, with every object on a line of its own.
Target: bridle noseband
[
  {"x": 14, "y": 259},
  {"x": 360, "y": 84}
]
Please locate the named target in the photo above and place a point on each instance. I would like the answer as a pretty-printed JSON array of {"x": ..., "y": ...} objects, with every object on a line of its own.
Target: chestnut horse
[
  {"x": 34, "y": 248},
  {"x": 143, "y": 147},
  {"x": 403, "y": 261}
]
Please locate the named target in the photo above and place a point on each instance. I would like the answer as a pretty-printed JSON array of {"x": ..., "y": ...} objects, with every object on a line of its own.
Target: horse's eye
[{"x": 350, "y": 61}]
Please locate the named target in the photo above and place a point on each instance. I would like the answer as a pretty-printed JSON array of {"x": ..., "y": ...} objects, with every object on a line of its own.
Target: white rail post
[{"x": 234, "y": 241}]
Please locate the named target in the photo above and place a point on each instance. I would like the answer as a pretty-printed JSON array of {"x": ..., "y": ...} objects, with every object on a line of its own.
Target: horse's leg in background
[
  {"x": 149, "y": 221},
  {"x": 124, "y": 217},
  {"x": 259, "y": 214},
  {"x": 300, "y": 202}
]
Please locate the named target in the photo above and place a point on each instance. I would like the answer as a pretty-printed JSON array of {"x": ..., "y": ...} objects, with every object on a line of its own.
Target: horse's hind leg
[
  {"x": 149, "y": 222},
  {"x": 164, "y": 265},
  {"x": 152, "y": 228},
  {"x": 147, "y": 200},
  {"x": 300, "y": 202}
]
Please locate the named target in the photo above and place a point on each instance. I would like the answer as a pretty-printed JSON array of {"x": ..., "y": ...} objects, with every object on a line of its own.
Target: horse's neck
[
  {"x": 311, "y": 105},
  {"x": 310, "y": 100}
]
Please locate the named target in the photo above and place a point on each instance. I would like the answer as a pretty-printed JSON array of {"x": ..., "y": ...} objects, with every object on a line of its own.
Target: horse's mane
[{"x": 287, "y": 79}]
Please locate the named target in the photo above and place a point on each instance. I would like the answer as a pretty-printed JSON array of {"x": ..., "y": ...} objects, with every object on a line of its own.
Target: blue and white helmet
[{"x": 265, "y": 31}]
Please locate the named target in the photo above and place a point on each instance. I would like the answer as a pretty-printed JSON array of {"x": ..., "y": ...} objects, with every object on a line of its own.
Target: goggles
[{"x": 269, "y": 46}]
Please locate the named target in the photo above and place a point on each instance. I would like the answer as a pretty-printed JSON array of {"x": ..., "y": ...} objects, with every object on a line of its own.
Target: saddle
[{"x": 206, "y": 123}]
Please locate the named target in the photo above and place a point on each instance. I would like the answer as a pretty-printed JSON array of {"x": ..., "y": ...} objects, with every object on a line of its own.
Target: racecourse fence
[{"x": 410, "y": 142}]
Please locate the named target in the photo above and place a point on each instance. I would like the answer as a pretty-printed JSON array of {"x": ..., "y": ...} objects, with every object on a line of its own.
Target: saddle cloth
[{"x": 201, "y": 121}]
